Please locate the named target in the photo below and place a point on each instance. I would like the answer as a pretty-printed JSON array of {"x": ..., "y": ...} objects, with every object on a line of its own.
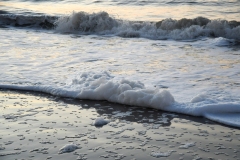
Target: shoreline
[{"x": 36, "y": 126}]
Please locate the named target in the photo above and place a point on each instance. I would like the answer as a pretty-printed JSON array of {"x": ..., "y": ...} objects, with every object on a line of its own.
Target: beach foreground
[{"x": 40, "y": 126}]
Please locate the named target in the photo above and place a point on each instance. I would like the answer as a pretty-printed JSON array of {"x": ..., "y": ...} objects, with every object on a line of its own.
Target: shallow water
[{"x": 150, "y": 54}]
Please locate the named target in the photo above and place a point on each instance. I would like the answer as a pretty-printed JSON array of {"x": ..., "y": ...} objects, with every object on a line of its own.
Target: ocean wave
[
  {"x": 103, "y": 86},
  {"x": 36, "y": 21},
  {"x": 102, "y": 23}
]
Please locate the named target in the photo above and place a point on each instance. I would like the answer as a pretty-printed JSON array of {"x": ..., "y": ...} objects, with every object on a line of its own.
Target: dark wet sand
[{"x": 36, "y": 126}]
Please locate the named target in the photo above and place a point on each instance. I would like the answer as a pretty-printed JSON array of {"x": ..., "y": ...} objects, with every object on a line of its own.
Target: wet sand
[{"x": 36, "y": 126}]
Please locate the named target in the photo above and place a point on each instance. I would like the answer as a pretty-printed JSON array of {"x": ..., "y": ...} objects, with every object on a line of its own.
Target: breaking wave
[{"x": 102, "y": 23}]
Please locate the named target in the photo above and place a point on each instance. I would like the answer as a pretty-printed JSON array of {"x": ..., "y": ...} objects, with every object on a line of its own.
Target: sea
[{"x": 180, "y": 56}]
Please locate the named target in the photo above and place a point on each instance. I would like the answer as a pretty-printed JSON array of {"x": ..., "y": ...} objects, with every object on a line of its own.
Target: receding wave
[
  {"x": 103, "y": 24},
  {"x": 103, "y": 86}
]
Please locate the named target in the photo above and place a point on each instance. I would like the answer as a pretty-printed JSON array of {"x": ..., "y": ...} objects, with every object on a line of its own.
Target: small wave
[
  {"x": 102, "y": 23},
  {"x": 221, "y": 42},
  {"x": 103, "y": 86}
]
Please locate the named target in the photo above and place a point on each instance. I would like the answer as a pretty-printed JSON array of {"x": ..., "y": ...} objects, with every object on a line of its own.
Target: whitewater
[{"x": 183, "y": 64}]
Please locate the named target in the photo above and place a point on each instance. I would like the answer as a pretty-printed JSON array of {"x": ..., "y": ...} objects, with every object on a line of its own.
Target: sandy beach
[{"x": 39, "y": 126}]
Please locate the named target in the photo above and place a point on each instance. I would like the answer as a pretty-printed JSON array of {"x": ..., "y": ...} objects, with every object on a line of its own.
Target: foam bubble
[
  {"x": 100, "y": 122},
  {"x": 158, "y": 154},
  {"x": 68, "y": 148},
  {"x": 187, "y": 145}
]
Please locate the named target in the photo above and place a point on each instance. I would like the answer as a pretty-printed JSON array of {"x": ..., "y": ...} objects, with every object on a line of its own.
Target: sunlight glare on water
[{"x": 148, "y": 12}]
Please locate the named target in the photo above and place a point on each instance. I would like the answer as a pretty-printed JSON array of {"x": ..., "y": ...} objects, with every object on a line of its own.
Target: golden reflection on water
[
  {"x": 123, "y": 72},
  {"x": 141, "y": 13}
]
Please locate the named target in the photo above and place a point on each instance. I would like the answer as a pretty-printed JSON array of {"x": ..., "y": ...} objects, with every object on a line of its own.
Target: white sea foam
[
  {"x": 223, "y": 42},
  {"x": 198, "y": 98},
  {"x": 84, "y": 22},
  {"x": 140, "y": 72},
  {"x": 231, "y": 119},
  {"x": 103, "y": 23},
  {"x": 103, "y": 86},
  {"x": 226, "y": 113}
]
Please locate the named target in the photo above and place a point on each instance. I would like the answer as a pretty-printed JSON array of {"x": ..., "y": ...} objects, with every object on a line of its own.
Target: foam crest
[
  {"x": 224, "y": 42},
  {"x": 225, "y": 113},
  {"x": 231, "y": 119},
  {"x": 104, "y": 87},
  {"x": 103, "y": 23},
  {"x": 85, "y": 22},
  {"x": 198, "y": 98},
  {"x": 200, "y": 26},
  {"x": 171, "y": 24}
]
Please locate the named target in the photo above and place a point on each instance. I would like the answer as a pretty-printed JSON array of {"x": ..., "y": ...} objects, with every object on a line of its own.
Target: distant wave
[
  {"x": 103, "y": 24},
  {"x": 36, "y": 21}
]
